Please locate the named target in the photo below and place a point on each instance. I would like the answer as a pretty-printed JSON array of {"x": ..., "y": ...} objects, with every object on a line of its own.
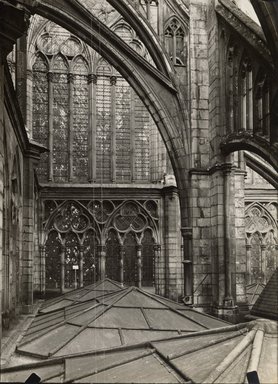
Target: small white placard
[{"x": 75, "y": 267}]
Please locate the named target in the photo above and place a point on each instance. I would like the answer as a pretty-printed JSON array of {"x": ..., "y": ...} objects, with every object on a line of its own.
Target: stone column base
[{"x": 228, "y": 313}]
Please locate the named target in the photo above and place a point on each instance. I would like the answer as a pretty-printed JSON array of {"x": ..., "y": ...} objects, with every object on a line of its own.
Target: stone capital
[
  {"x": 50, "y": 77},
  {"x": 92, "y": 78},
  {"x": 187, "y": 232},
  {"x": 29, "y": 74},
  {"x": 101, "y": 248},
  {"x": 82, "y": 248},
  {"x": 157, "y": 247},
  {"x": 70, "y": 78},
  {"x": 113, "y": 80}
]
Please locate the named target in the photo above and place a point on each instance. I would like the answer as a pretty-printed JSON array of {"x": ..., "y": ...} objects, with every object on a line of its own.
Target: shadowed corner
[
  {"x": 253, "y": 377},
  {"x": 33, "y": 379}
]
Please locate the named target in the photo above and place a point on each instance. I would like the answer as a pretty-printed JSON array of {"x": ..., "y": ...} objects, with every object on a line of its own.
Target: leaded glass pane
[
  {"x": 60, "y": 125},
  {"x": 113, "y": 256},
  {"x": 130, "y": 258},
  {"x": 103, "y": 126},
  {"x": 40, "y": 112},
  {"x": 142, "y": 142},
  {"x": 147, "y": 259},
  {"x": 71, "y": 259},
  {"x": 255, "y": 257},
  {"x": 80, "y": 125},
  {"x": 52, "y": 261},
  {"x": 123, "y": 134},
  {"x": 90, "y": 262}
]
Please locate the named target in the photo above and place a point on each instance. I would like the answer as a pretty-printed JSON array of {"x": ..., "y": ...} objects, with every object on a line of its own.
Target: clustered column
[{"x": 228, "y": 235}]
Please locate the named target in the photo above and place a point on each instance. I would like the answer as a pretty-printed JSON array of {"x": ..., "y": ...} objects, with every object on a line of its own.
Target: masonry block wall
[
  {"x": 240, "y": 235},
  {"x": 202, "y": 255},
  {"x": 200, "y": 152},
  {"x": 217, "y": 182},
  {"x": 11, "y": 220}
]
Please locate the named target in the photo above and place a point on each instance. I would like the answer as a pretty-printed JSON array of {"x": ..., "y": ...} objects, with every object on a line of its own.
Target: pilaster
[{"x": 172, "y": 243}]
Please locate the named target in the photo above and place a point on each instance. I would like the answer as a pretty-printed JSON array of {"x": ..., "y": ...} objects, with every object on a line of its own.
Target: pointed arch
[
  {"x": 124, "y": 30},
  {"x": 175, "y": 36},
  {"x": 59, "y": 63},
  {"x": 80, "y": 65},
  {"x": 66, "y": 224},
  {"x": 133, "y": 209},
  {"x": 258, "y": 210},
  {"x": 39, "y": 62},
  {"x": 135, "y": 69},
  {"x": 148, "y": 258}
]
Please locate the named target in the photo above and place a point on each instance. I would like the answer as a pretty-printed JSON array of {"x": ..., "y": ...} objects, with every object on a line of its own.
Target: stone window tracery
[
  {"x": 261, "y": 243},
  {"x": 76, "y": 234},
  {"x": 71, "y": 243},
  {"x": 150, "y": 8},
  {"x": 94, "y": 124},
  {"x": 175, "y": 41}
]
